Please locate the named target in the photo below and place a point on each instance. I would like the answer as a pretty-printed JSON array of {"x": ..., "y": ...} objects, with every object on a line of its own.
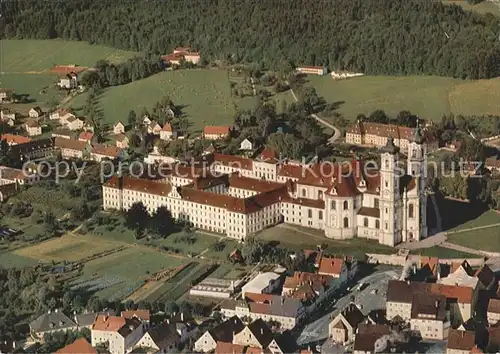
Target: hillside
[
  {"x": 384, "y": 37},
  {"x": 428, "y": 96}
]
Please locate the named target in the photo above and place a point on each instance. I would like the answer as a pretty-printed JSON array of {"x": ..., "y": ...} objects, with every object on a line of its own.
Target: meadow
[
  {"x": 482, "y": 8},
  {"x": 28, "y": 56},
  {"x": 428, "y": 96},
  {"x": 204, "y": 95},
  {"x": 481, "y": 233}
]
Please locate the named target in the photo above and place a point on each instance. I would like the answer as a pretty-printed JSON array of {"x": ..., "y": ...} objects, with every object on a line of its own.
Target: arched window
[
  {"x": 377, "y": 224},
  {"x": 346, "y": 222},
  {"x": 410, "y": 211},
  {"x": 365, "y": 222},
  {"x": 346, "y": 205},
  {"x": 333, "y": 205}
]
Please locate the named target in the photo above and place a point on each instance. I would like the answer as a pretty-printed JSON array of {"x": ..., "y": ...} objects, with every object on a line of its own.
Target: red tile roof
[
  {"x": 461, "y": 340},
  {"x": 167, "y": 127},
  {"x": 110, "y": 151},
  {"x": 87, "y": 136},
  {"x": 79, "y": 346},
  {"x": 15, "y": 139},
  {"x": 494, "y": 306},
  {"x": 141, "y": 314},
  {"x": 240, "y": 182},
  {"x": 229, "y": 348},
  {"x": 233, "y": 161},
  {"x": 108, "y": 323},
  {"x": 217, "y": 129},
  {"x": 70, "y": 144},
  {"x": 332, "y": 266},
  {"x": 317, "y": 281}
]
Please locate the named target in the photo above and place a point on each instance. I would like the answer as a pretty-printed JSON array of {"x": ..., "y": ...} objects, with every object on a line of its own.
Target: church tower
[
  {"x": 390, "y": 200},
  {"x": 415, "y": 199}
]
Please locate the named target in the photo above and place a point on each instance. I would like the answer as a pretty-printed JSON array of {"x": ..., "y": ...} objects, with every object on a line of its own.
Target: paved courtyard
[{"x": 372, "y": 297}]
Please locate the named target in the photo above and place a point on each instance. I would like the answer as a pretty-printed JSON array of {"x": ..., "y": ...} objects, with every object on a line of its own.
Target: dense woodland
[{"x": 395, "y": 37}]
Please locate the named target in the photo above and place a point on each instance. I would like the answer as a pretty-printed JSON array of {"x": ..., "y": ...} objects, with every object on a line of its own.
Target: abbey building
[{"x": 238, "y": 196}]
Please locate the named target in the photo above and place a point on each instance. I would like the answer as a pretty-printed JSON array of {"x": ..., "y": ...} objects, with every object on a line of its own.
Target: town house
[
  {"x": 33, "y": 128},
  {"x": 216, "y": 132},
  {"x": 119, "y": 128},
  {"x": 118, "y": 332},
  {"x": 35, "y": 112},
  {"x": 166, "y": 132}
]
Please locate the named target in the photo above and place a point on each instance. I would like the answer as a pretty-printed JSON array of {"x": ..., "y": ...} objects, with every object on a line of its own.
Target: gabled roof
[
  {"x": 70, "y": 144},
  {"x": 79, "y": 346},
  {"x": 86, "y": 136},
  {"x": 109, "y": 151},
  {"x": 485, "y": 275},
  {"x": 120, "y": 137},
  {"x": 32, "y": 124},
  {"x": 164, "y": 336},
  {"x": 330, "y": 266},
  {"x": 494, "y": 306},
  {"x": 461, "y": 340},
  {"x": 16, "y": 139},
  {"x": 401, "y": 291},
  {"x": 225, "y": 331},
  {"x": 141, "y": 314},
  {"x": 52, "y": 321},
  {"x": 353, "y": 315},
  {"x": 108, "y": 323},
  {"x": 432, "y": 306},
  {"x": 317, "y": 281},
  {"x": 118, "y": 123},
  {"x": 229, "y": 348},
  {"x": 139, "y": 185},
  {"x": 367, "y": 336},
  {"x": 167, "y": 127},
  {"x": 261, "y": 332},
  {"x": 217, "y": 129}
]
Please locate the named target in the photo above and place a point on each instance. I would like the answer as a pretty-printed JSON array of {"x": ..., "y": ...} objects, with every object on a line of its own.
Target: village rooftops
[
  {"x": 367, "y": 335},
  {"x": 167, "y": 127},
  {"x": 225, "y": 331},
  {"x": 428, "y": 306},
  {"x": 52, "y": 321},
  {"x": 461, "y": 340},
  {"x": 217, "y": 129},
  {"x": 317, "y": 281},
  {"x": 106, "y": 150},
  {"x": 261, "y": 332},
  {"x": 143, "y": 315},
  {"x": 275, "y": 305},
  {"x": 121, "y": 325},
  {"x": 15, "y": 139},
  {"x": 79, "y": 346},
  {"x": 494, "y": 306},
  {"x": 401, "y": 291},
  {"x": 70, "y": 144},
  {"x": 229, "y": 348},
  {"x": 139, "y": 185}
]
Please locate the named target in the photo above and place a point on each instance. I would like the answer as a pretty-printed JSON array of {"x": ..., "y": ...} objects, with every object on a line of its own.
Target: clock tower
[{"x": 390, "y": 198}]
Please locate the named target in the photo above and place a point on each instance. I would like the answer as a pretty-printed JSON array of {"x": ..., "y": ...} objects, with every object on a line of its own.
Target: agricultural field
[
  {"x": 205, "y": 96},
  {"x": 444, "y": 253},
  {"x": 482, "y": 233},
  {"x": 35, "y": 56},
  {"x": 428, "y": 96},
  {"x": 117, "y": 275},
  {"x": 68, "y": 247},
  {"x": 482, "y": 8}
]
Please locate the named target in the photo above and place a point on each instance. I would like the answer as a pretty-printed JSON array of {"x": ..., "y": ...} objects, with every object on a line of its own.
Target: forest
[{"x": 389, "y": 37}]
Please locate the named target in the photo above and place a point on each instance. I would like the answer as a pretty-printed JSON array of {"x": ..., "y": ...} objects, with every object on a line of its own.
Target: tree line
[{"x": 392, "y": 37}]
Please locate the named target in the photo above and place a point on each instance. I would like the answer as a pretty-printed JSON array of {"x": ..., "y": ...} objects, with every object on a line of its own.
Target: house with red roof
[
  {"x": 216, "y": 132},
  {"x": 79, "y": 346}
]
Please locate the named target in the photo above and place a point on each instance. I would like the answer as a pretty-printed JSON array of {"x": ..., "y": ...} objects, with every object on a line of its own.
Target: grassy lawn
[
  {"x": 13, "y": 260},
  {"x": 205, "y": 95},
  {"x": 488, "y": 218},
  {"x": 482, "y": 8},
  {"x": 67, "y": 247},
  {"x": 305, "y": 238},
  {"x": 428, "y": 96},
  {"x": 21, "y": 56},
  {"x": 122, "y": 272},
  {"x": 444, "y": 253}
]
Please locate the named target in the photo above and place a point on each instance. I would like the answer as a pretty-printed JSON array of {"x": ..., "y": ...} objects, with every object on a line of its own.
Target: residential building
[
  {"x": 166, "y": 132},
  {"x": 119, "y": 333},
  {"x": 287, "y": 311},
  {"x": 79, "y": 346},
  {"x": 460, "y": 342},
  {"x": 154, "y": 128},
  {"x": 146, "y": 121},
  {"x": 344, "y": 326},
  {"x": 13, "y": 139},
  {"x": 429, "y": 317},
  {"x": 314, "y": 70},
  {"x": 86, "y": 136},
  {"x": 319, "y": 283},
  {"x": 161, "y": 338},
  {"x": 121, "y": 141},
  {"x": 216, "y": 132},
  {"x": 180, "y": 54},
  {"x": 8, "y": 116},
  {"x": 5, "y": 94},
  {"x": 224, "y": 332},
  {"x": 246, "y": 145},
  {"x": 50, "y": 322},
  {"x": 72, "y": 149},
  {"x": 10, "y": 175},
  {"x": 142, "y": 315},
  {"x": 493, "y": 312},
  {"x": 256, "y": 335},
  {"x": 377, "y": 134},
  {"x": 460, "y": 300},
  {"x": 229, "y": 348},
  {"x": 371, "y": 338},
  {"x": 263, "y": 283},
  {"x": 341, "y": 75},
  {"x": 69, "y": 81},
  {"x": 61, "y": 114},
  {"x": 156, "y": 157},
  {"x": 34, "y": 149},
  {"x": 33, "y": 128},
  {"x": 100, "y": 152},
  {"x": 345, "y": 200},
  {"x": 73, "y": 123},
  {"x": 35, "y": 112},
  {"x": 486, "y": 278},
  {"x": 119, "y": 128},
  {"x": 336, "y": 267}
]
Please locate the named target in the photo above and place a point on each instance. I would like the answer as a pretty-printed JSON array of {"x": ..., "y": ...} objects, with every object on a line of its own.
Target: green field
[
  {"x": 204, "y": 94},
  {"x": 300, "y": 238},
  {"x": 428, "y": 96},
  {"x": 444, "y": 253},
  {"x": 25, "y": 56},
  {"x": 122, "y": 272},
  {"x": 482, "y": 8},
  {"x": 486, "y": 239}
]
